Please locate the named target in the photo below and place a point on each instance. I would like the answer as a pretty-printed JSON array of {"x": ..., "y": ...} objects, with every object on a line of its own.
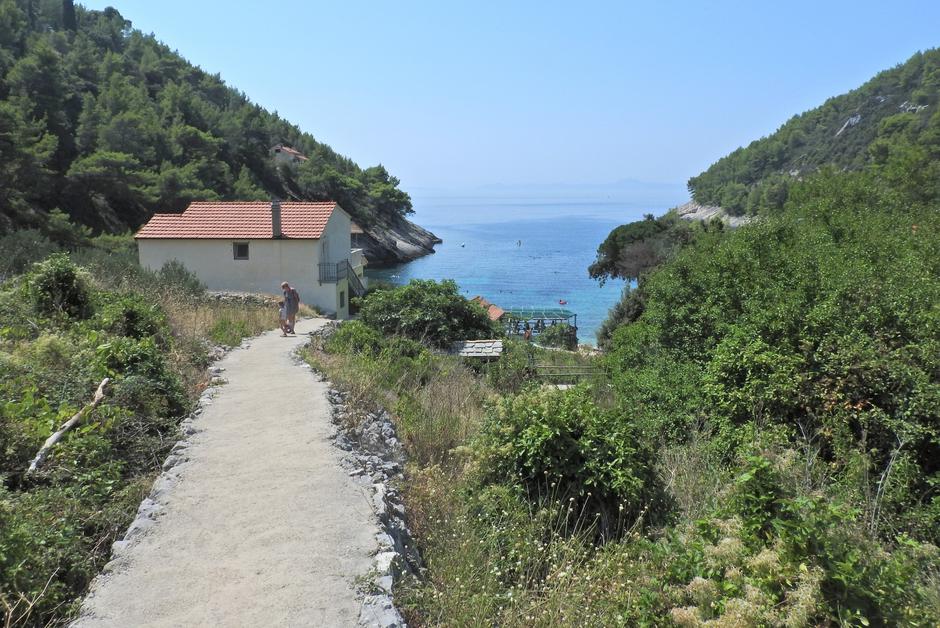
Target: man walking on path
[{"x": 292, "y": 304}]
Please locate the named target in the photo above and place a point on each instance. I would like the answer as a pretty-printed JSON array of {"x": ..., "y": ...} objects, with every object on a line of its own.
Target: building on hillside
[
  {"x": 254, "y": 246},
  {"x": 286, "y": 155},
  {"x": 494, "y": 312}
]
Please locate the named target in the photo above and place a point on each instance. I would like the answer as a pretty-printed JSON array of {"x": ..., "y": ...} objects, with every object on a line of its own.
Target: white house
[
  {"x": 286, "y": 155},
  {"x": 254, "y": 246}
]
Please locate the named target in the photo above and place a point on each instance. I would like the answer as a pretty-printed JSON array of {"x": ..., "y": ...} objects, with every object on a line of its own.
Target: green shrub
[
  {"x": 355, "y": 337},
  {"x": 426, "y": 311},
  {"x": 56, "y": 287},
  {"x": 26, "y": 419},
  {"x": 563, "y": 336},
  {"x": 228, "y": 331},
  {"x": 407, "y": 365},
  {"x": 625, "y": 311},
  {"x": 122, "y": 358},
  {"x": 803, "y": 556},
  {"x": 58, "y": 339},
  {"x": 115, "y": 267},
  {"x": 43, "y": 533},
  {"x": 16, "y": 314},
  {"x": 49, "y": 350},
  {"x": 129, "y": 356},
  {"x": 132, "y": 316},
  {"x": 20, "y": 249},
  {"x": 514, "y": 368},
  {"x": 175, "y": 277},
  {"x": 396, "y": 346},
  {"x": 821, "y": 321},
  {"x": 560, "y": 445}
]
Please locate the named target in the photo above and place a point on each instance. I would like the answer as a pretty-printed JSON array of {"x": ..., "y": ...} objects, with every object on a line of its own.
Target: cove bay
[{"x": 528, "y": 250}]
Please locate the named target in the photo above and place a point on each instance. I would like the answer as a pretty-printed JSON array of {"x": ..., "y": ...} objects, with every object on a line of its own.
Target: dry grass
[
  {"x": 693, "y": 475},
  {"x": 437, "y": 404},
  {"x": 507, "y": 562},
  {"x": 218, "y": 321},
  {"x": 199, "y": 323}
]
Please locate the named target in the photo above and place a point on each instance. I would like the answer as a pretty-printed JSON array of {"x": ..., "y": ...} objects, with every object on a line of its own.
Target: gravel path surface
[{"x": 263, "y": 527}]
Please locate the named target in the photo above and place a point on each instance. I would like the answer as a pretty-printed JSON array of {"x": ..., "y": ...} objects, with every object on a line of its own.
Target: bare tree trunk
[{"x": 75, "y": 420}]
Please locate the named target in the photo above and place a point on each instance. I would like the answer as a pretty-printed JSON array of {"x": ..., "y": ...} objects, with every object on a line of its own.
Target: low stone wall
[
  {"x": 246, "y": 298},
  {"x": 374, "y": 457}
]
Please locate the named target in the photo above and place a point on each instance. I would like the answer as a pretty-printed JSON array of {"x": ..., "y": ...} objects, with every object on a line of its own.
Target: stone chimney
[{"x": 276, "y": 218}]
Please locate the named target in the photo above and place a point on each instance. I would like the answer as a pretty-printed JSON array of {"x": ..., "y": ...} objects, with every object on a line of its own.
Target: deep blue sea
[{"x": 521, "y": 253}]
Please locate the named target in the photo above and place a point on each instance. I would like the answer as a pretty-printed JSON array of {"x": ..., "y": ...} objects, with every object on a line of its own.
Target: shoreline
[
  {"x": 389, "y": 242},
  {"x": 550, "y": 265}
]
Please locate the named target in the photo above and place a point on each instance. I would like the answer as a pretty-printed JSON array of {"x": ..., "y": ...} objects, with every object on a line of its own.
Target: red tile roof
[
  {"x": 493, "y": 311},
  {"x": 293, "y": 152},
  {"x": 249, "y": 220}
]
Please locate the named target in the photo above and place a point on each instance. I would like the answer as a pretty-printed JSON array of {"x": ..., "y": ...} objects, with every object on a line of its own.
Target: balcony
[
  {"x": 332, "y": 273},
  {"x": 357, "y": 260}
]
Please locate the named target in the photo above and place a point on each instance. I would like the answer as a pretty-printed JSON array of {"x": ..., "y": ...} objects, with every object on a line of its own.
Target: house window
[
  {"x": 240, "y": 250},
  {"x": 342, "y": 298}
]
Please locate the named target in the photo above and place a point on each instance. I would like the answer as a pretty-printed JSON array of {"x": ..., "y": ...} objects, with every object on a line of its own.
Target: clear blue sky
[{"x": 454, "y": 95}]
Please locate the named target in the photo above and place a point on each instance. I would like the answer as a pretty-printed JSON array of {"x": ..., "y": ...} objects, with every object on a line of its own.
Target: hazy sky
[{"x": 454, "y": 95}]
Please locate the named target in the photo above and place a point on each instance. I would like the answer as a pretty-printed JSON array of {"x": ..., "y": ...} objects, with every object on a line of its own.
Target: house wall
[
  {"x": 269, "y": 263},
  {"x": 337, "y": 248},
  {"x": 283, "y": 157}
]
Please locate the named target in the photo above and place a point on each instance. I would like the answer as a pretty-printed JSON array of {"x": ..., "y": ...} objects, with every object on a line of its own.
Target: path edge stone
[
  {"x": 154, "y": 505},
  {"x": 374, "y": 457}
]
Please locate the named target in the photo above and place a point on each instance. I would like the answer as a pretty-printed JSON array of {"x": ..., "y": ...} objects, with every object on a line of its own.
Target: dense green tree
[
  {"x": 847, "y": 132},
  {"x": 25, "y": 149},
  {"x": 121, "y": 179},
  {"x": 246, "y": 188},
  {"x": 632, "y": 250},
  {"x": 426, "y": 311},
  {"x": 38, "y": 82},
  {"x": 69, "y": 22},
  {"x": 111, "y": 125},
  {"x": 383, "y": 189},
  {"x": 12, "y": 32}
]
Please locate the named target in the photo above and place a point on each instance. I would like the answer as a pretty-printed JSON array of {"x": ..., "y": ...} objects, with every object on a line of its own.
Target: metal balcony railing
[{"x": 331, "y": 273}]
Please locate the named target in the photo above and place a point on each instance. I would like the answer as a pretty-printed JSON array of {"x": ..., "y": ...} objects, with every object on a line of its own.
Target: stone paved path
[{"x": 263, "y": 527}]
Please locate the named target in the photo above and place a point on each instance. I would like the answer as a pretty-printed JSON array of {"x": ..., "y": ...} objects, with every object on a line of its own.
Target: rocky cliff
[
  {"x": 697, "y": 211},
  {"x": 393, "y": 241}
]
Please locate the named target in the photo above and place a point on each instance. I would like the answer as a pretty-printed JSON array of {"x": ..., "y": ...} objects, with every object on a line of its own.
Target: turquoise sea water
[
  {"x": 550, "y": 265},
  {"x": 520, "y": 253}
]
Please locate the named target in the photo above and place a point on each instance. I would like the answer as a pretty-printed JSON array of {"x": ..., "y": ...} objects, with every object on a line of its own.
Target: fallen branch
[
  {"x": 75, "y": 420},
  {"x": 17, "y": 618}
]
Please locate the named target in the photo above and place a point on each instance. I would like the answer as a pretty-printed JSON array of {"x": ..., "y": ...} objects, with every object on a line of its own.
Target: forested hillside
[
  {"x": 760, "y": 445},
  {"x": 109, "y": 126},
  {"x": 850, "y": 131},
  {"x": 889, "y": 129},
  {"x": 795, "y": 360}
]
